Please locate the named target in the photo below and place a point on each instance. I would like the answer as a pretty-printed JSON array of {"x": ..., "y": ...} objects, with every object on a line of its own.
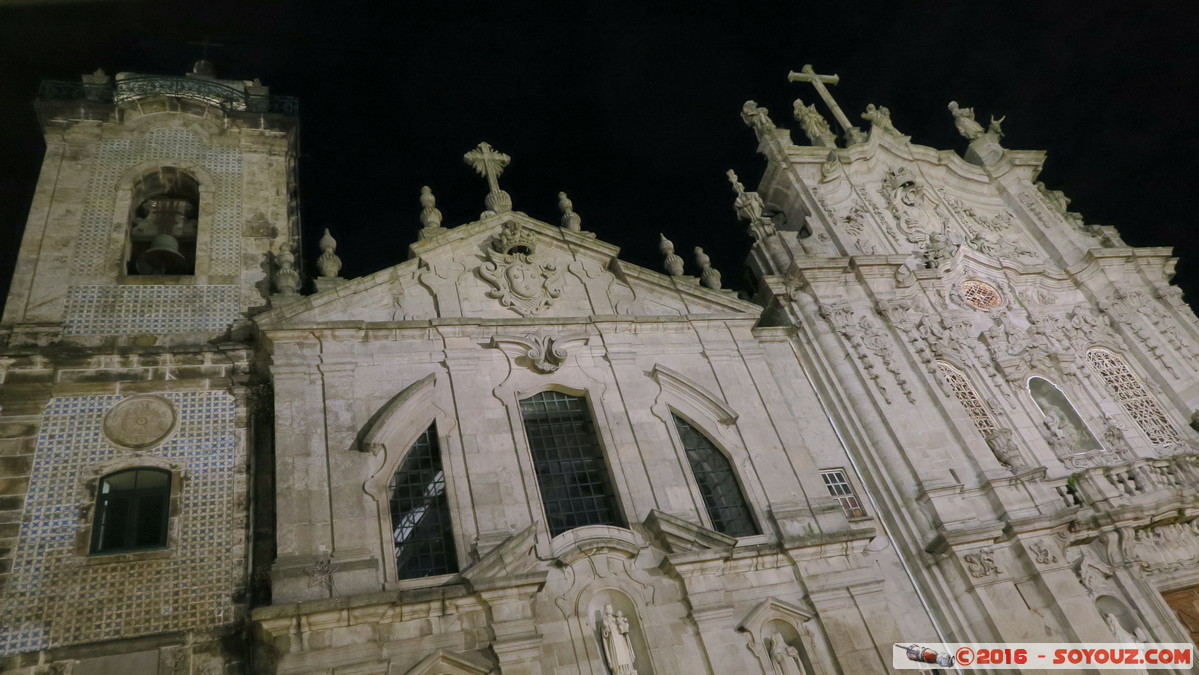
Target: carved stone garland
[
  {"x": 1123, "y": 308},
  {"x": 518, "y": 279},
  {"x": 865, "y": 337}
]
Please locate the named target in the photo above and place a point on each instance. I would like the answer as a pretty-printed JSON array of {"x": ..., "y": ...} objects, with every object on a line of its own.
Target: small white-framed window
[{"x": 838, "y": 486}]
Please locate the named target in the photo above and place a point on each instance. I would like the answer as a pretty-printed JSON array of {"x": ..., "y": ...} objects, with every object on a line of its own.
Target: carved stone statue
[
  {"x": 963, "y": 119},
  {"x": 880, "y": 118},
  {"x": 814, "y": 125},
  {"x": 937, "y": 250},
  {"x": 1060, "y": 428},
  {"x": 1122, "y": 635},
  {"x": 784, "y": 659},
  {"x": 618, "y": 649},
  {"x": 756, "y": 118}
]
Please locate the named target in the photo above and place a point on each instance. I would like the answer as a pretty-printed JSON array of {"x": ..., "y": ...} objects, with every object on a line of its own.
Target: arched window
[
  {"x": 162, "y": 228},
  {"x": 420, "y": 512},
  {"x": 571, "y": 473},
  {"x": 969, "y": 398},
  {"x": 1133, "y": 397},
  {"x": 132, "y": 511},
  {"x": 722, "y": 495}
]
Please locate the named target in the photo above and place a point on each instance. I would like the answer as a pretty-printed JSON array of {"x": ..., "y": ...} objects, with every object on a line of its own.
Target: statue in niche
[
  {"x": 1136, "y": 637},
  {"x": 618, "y": 648},
  {"x": 784, "y": 659},
  {"x": 1059, "y": 426},
  {"x": 1067, "y": 432}
]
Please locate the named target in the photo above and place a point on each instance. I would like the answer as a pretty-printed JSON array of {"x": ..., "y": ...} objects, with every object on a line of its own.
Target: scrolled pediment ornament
[
  {"x": 541, "y": 353},
  {"x": 519, "y": 280}
]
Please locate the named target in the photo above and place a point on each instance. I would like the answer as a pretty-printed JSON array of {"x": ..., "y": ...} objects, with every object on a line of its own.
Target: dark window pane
[
  {"x": 717, "y": 484},
  {"x": 420, "y": 513},
  {"x": 571, "y": 472},
  {"x": 132, "y": 511}
]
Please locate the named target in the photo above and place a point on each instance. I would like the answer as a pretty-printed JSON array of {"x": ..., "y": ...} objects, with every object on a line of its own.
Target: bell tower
[
  {"x": 160, "y": 201},
  {"x": 127, "y": 405}
]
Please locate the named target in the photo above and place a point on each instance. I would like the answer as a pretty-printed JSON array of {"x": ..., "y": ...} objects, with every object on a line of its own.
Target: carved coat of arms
[{"x": 518, "y": 279}]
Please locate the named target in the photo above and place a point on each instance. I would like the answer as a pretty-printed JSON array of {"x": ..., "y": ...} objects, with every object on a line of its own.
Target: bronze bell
[{"x": 163, "y": 257}]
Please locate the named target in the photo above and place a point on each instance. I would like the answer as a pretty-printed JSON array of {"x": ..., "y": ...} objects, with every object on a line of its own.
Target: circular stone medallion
[{"x": 140, "y": 422}]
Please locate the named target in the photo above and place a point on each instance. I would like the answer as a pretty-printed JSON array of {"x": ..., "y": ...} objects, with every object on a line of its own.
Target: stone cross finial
[
  {"x": 708, "y": 275},
  {"x": 570, "y": 220},
  {"x": 674, "y": 264},
  {"x": 808, "y": 74},
  {"x": 329, "y": 264},
  {"x": 430, "y": 215},
  {"x": 490, "y": 164}
]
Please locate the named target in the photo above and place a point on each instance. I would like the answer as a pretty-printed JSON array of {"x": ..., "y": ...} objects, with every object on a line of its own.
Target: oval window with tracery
[{"x": 981, "y": 295}]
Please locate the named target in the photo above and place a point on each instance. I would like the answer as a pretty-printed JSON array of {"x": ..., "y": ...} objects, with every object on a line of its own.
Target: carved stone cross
[
  {"x": 808, "y": 74},
  {"x": 489, "y": 163}
]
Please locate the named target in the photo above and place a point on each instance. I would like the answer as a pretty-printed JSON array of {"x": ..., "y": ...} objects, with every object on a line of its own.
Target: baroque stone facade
[{"x": 515, "y": 453}]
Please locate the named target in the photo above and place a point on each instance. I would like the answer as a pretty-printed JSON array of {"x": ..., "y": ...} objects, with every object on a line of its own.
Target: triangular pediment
[
  {"x": 507, "y": 267},
  {"x": 446, "y": 662}
]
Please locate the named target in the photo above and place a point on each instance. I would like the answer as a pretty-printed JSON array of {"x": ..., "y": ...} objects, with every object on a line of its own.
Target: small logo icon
[{"x": 925, "y": 655}]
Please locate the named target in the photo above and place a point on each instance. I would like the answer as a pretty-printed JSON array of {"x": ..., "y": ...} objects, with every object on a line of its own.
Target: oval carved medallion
[{"x": 140, "y": 422}]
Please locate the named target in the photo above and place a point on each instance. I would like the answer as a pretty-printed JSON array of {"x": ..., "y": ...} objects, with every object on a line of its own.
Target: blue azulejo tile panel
[
  {"x": 125, "y": 310},
  {"x": 174, "y": 147},
  {"x": 54, "y": 598}
]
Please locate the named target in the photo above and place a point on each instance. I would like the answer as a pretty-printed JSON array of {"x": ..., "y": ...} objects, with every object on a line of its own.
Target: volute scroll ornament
[
  {"x": 519, "y": 280},
  {"x": 981, "y": 563}
]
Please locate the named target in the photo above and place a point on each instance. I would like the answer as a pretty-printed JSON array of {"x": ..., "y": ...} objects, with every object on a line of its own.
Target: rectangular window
[
  {"x": 572, "y": 475},
  {"x": 838, "y": 486}
]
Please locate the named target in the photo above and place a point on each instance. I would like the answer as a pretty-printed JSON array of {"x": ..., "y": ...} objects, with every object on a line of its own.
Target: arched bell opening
[{"x": 162, "y": 227}]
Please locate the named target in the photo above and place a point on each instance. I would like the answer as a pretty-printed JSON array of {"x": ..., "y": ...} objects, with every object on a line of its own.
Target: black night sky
[{"x": 633, "y": 108}]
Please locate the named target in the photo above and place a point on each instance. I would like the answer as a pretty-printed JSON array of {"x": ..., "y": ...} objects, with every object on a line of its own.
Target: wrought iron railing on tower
[{"x": 133, "y": 88}]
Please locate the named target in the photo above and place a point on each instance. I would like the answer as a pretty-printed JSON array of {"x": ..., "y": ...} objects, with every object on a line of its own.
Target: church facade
[{"x": 515, "y": 453}]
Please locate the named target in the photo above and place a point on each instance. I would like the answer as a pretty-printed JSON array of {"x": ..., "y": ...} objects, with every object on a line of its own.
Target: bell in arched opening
[
  {"x": 163, "y": 257},
  {"x": 163, "y": 228}
]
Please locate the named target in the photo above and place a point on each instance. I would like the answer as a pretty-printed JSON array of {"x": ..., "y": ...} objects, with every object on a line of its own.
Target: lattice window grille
[
  {"x": 420, "y": 513},
  {"x": 571, "y": 473},
  {"x": 981, "y": 295},
  {"x": 968, "y": 397},
  {"x": 1134, "y": 397},
  {"x": 840, "y": 489},
  {"x": 722, "y": 496}
]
